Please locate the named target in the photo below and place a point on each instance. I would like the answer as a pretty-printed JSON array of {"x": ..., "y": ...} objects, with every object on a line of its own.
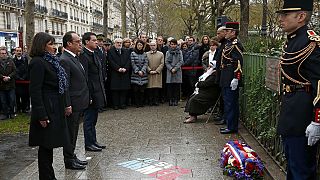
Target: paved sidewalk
[{"x": 155, "y": 135}]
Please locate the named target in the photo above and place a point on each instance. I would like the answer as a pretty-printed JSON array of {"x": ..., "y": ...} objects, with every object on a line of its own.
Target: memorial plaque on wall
[{"x": 272, "y": 78}]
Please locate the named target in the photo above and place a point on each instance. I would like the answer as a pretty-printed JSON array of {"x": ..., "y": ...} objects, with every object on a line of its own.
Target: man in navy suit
[{"x": 77, "y": 96}]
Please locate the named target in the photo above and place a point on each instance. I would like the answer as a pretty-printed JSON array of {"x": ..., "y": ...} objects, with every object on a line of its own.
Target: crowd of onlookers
[{"x": 153, "y": 71}]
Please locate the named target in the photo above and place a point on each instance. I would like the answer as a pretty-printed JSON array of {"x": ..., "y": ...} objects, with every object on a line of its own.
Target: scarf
[
  {"x": 203, "y": 77},
  {"x": 61, "y": 74}
]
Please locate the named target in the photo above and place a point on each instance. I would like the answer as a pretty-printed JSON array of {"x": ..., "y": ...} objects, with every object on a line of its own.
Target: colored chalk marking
[
  {"x": 147, "y": 160},
  {"x": 128, "y": 163},
  {"x": 138, "y": 166},
  {"x": 154, "y": 168},
  {"x": 149, "y": 169},
  {"x": 164, "y": 165}
]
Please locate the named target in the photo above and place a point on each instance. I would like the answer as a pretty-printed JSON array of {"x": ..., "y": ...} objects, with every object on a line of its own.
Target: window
[{"x": 46, "y": 24}]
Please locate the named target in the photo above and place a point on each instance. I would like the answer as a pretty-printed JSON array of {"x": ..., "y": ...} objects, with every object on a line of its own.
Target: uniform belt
[
  {"x": 295, "y": 87},
  {"x": 225, "y": 65}
]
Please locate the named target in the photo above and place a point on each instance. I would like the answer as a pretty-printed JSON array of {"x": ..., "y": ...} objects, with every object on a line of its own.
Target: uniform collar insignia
[
  {"x": 311, "y": 33},
  {"x": 313, "y": 36}
]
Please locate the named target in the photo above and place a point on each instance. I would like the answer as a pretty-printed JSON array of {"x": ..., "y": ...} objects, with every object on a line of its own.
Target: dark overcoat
[
  {"x": 208, "y": 95},
  {"x": 77, "y": 94},
  {"x": 93, "y": 68},
  {"x": 117, "y": 60},
  {"x": 7, "y": 68},
  {"x": 46, "y": 103}
]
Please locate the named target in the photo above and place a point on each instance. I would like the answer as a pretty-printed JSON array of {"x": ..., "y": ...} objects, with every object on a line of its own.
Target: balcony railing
[
  {"x": 60, "y": 14},
  {"x": 15, "y": 3},
  {"x": 96, "y": 25},
  {"x": 97, "y": 13},
  {"x": 41, "y": 9}
]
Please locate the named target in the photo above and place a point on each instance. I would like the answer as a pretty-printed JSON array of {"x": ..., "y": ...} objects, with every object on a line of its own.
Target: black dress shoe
[
  {"x": 227, "y": 131},
  {"x": 93, "y": 148},
  {"x": 99, "y": 145},
  {"x": 223, "y": 128},
  {"x": 72, "y": 164},
  {"x": 81, "y": 162},
  {"x": 222, "y": 122}
]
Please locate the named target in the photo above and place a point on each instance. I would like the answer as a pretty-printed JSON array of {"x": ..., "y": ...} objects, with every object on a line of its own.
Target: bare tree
[
  {"x": 123, "y": 18},
  {"x": 29, "y": 16},
  {"x": 105, "y": 18},
  {"x": 135, "y": 7}
]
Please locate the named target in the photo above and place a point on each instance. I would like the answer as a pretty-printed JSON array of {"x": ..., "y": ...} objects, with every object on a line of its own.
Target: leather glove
[
  {"x": 234, "y": 84},
  {"x": 313, "y": 133}
]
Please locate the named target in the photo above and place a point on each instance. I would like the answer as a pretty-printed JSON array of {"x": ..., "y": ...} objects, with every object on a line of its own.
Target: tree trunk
[
  {"x": 29, "y": 16},
  {"x": 105, "y": 18},
  {"x": 213, "y": 15},
  {"x": 244, "y": 19},
  {"x": 124, "y": 18}
]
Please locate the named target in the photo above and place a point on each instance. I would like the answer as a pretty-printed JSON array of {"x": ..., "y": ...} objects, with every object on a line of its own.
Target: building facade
[{"x": 55, "y": 17}]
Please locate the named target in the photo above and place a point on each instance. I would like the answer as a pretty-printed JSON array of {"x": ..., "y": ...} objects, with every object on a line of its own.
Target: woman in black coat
[
  {"x": 48, "y": 128},
  {"x": 204, "y": 96}
]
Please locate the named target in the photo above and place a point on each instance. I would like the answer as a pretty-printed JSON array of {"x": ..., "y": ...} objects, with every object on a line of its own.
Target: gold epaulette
[
  {"x": 235, "y": 41},
  {"x": 313, "y": 36}
]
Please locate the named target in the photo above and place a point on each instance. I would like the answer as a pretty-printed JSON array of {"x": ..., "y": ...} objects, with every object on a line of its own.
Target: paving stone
[{"x": 148, "y": 132}]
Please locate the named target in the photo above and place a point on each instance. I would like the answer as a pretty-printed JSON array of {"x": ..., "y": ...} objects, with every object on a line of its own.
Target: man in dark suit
[
  {"x": 22, "y": 81},
  {"x": 101, "y": 53},
  {"x": 93, "y": 68},
  {"x": 77, "y": 96}
]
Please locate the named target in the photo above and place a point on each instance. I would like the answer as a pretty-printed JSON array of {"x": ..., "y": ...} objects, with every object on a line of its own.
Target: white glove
[
  {"x": 234, "y": 84},
  {"x": 313, "y": 133}
]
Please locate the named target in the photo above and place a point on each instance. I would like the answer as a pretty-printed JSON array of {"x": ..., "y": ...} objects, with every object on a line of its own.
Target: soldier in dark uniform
[
  {"x": 230, "y": 66},
  {"x": 100, "y": 52},
  {"x": 299, "y": 123}
]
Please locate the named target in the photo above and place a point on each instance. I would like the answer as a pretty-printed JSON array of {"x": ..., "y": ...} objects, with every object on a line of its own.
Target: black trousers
[
  {"x": 153, "y": 95},
  {"x": 163, "y": 90},
  {"x": 73, "y": 128},
  {"x": 173, "y": 90},
  {"x": 22, "y": 97},
  {"x": 119, "y": 97},
  {"x": 45, "y": 160},
  {"x": 138, "y": 92}
]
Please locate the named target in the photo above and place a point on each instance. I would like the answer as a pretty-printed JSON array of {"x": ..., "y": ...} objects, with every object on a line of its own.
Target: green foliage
[
  {"x": 259, "y": 106},
  {"x": 19, "y": 124},
  {"x": 264, "y": 45}
]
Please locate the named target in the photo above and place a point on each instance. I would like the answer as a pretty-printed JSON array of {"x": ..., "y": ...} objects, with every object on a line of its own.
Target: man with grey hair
[
  {"x": 120, "y": 64},
  {"x": 155, "y": 66}
]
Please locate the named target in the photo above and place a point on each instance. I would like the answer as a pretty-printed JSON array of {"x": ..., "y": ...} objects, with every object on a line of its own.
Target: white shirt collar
[
  {"x": 73, "y": 54},
  {"x": 89, "y": 49}
]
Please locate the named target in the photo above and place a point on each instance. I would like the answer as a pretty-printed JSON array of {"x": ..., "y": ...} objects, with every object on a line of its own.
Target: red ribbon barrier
[
  {"x": 22, "y": 82},
  {"x": 191, "y": 67}
]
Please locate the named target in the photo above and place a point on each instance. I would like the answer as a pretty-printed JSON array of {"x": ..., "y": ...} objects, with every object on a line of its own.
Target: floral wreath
[{"x": 240, "y": 161}]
